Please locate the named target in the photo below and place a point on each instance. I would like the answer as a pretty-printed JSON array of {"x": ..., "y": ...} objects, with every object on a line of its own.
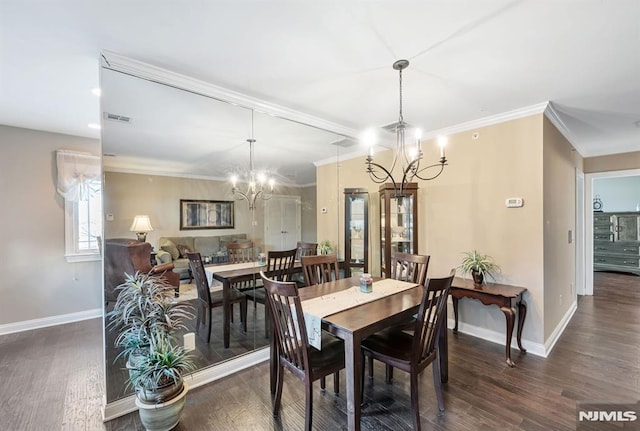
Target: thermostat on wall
[{"x": 514, "y": 202}]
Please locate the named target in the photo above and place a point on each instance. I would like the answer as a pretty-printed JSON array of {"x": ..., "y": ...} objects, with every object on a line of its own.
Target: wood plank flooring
[{"x": 596, "y": 359}]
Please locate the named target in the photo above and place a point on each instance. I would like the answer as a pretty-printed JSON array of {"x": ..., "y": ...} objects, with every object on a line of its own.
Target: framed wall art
[{"x": 201, "y": 214}]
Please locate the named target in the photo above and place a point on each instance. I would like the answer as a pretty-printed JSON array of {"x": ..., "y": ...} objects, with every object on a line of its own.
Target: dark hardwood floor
[{"x": 596, "y": 359}]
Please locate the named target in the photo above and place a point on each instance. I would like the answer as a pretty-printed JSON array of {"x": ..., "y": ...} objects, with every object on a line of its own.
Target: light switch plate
[{"x": 514, "y": 202}]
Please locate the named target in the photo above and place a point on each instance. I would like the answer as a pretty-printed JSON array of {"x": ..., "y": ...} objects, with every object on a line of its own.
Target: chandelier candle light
[
  {"x": 411, "y": 156},
  {"x": 259, "y": 185}
]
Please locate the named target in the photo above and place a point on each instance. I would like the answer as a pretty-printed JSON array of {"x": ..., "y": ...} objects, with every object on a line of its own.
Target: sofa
[{"x": 174, "y": 250}]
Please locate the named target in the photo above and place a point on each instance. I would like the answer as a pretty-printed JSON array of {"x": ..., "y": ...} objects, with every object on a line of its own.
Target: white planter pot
[{"x": 163, "y": 416}]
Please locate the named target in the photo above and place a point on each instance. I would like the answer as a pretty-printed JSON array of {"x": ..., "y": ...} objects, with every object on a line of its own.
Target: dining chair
[
  {"x": 279, "y": 267},
  {"x": 413, "y": 269},
  {"x": 320, "y": 269},
  {"x": 293, "y": 351},
  {"x": 240, "y": 252},
  {"x": 208, "y": 300},
  {"x": 304, "y": 249},
  {"x": 414, "y": 352}
]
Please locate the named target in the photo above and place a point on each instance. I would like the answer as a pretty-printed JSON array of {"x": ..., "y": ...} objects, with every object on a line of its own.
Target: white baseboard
[
  {"x": 44, "y": 322},
  {"x": 557, "y": 332},
  {"x": 127, "y": 405},
  {"x": 498, "y": 337}
]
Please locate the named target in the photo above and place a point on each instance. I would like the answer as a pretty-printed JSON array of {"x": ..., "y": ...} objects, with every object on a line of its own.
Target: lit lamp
[{"x": 141, "y": 225}]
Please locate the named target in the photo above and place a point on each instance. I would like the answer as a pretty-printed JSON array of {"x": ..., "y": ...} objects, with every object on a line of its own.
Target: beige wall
[
  {"x": 559, "y": 219},
  {"x": 159, "y": 197},
  {"x": 37, "y": 282},
  {"x": 614, "y": 162},
  {"x": 464, "y": 209}
]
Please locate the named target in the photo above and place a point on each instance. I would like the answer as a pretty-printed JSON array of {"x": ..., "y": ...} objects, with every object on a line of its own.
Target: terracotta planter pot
[{"x": 163, "y": 416}]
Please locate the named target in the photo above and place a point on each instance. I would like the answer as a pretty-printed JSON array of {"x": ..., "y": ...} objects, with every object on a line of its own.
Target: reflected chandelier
[
  {"x": 259, "y": 186},
  {"x": 411, "y": 157}
]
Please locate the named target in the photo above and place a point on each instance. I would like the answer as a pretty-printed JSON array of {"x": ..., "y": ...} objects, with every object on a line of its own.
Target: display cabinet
[
  {"x": 356, "y": 231},
  {"x": 398, "y": 223}
]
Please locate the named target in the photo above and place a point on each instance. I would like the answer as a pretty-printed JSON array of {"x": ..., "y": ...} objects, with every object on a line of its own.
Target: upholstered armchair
[{"x": 123, "y": 255}]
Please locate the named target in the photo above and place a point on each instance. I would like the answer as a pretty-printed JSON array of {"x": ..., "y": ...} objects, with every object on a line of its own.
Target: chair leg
[
  {"x": 415, "y": 406},
  {"x": 370, "y": 365},
  {"x": 388, "y": 373},
  {"x": 308, "y": 411},
  {"x": 336, "y": 382},
  {"x": 243, "y": 314},
  {"x": 278, "y": 396},
  {"x": 437, "y": 384},
  {"x": 209, "y": 326},
  {"x": 323, "y": 383},
  {"x": 231, "y": 312}
]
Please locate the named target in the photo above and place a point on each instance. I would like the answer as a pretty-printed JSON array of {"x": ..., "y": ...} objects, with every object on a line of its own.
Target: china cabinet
[
  {"x": 398, "y": 223},
  {"x": 356, "y": 231}
]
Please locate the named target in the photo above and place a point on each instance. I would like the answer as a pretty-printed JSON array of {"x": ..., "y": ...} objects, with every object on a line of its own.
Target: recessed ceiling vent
[
  {"x": 344, "y": 143},
  {"x": 115, "y": 117}
]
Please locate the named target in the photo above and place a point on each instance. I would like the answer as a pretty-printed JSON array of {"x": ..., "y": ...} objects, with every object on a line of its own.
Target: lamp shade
[{"x": 141, "y": 223}]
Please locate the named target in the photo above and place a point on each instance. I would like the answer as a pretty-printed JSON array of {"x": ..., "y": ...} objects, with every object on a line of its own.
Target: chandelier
[
  {"x": 259, "y": 186},
  {"x": 410, "y": 155}
]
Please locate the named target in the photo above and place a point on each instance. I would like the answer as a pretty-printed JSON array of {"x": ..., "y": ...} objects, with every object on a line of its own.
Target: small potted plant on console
[{"x": 478, "y": 265}]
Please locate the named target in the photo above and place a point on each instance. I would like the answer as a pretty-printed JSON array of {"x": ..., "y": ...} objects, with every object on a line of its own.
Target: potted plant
[
  {"x": 325, "y": 247},
  {"x": 478, "y": 265},
  {"x": 146, "y": 317}
]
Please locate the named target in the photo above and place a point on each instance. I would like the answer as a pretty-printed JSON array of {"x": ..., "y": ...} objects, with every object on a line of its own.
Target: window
[
  {"x": 83, "y": 226},
  {"x": 79, "y": 182}
]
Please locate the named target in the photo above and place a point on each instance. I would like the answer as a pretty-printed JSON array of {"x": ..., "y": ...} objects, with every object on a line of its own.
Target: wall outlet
[{"x": 189, "y": 341}]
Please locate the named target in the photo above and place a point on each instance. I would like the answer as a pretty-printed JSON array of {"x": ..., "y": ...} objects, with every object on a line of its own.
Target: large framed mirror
[{"x": 164, "y": 141}]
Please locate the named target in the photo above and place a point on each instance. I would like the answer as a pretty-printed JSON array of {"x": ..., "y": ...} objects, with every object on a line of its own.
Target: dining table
[{"x": 356, "y": 323}]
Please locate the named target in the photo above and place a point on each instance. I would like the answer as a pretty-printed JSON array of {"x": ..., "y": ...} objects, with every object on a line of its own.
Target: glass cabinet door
[
  {"x": 356, "y": 211},
  {"x": 398, "y": 215}
]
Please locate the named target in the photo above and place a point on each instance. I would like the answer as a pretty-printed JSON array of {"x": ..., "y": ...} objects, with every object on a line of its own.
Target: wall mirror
[{"x": 162, "y": 143}]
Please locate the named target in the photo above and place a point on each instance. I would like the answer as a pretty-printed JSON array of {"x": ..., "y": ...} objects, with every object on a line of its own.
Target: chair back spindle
[
  {"x": 320, "y": 269},
  {"x": 409, "y": 267}
]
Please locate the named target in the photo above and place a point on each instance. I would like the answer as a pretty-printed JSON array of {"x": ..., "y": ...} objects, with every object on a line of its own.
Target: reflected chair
[
  {"x": 411, "y": 268},
  {"x": 240, "y": 252},
  {"x": 413, "y": 353},
  {"x": 279, "y": 267},
  {"x": 292, "y": 345},
  {"x": 304, "y": 249},
  {"x": 320, "y": 269},
  {"x": 124, "y": 255},
  {"x": 208, "y": 300}
]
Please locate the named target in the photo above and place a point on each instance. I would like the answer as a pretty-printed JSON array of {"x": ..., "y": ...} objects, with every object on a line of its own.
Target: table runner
[{"x": 316, "y": 309}]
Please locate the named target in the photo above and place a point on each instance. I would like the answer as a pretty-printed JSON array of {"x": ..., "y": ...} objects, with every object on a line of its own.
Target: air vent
[
  {"x": 115, "y": 117},
  {"x": 344, "y": 143}
]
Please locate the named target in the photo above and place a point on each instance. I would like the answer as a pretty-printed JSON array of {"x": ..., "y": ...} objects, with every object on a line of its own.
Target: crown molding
[
  {"x": 551, "y": 113},
  {"x": 119, "y": 63}
]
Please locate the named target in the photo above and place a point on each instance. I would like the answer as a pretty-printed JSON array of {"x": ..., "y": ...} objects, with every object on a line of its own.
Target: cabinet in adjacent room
[
  {"x": 616, "y": 241},
  {"x": 356, "y": 233},
  {"x": 398, "y": 223}
]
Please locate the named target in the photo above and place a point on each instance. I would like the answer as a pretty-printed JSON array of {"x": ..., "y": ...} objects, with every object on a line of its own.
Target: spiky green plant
[
  {"x": 474, "y": 261},
  {"x": 146, "y": 317},
  {"x": 325, "y": 247}
]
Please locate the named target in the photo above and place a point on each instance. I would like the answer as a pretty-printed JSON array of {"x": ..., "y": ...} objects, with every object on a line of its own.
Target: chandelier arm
[
  {"x": 374, "y": 175},
  {"x": 442, "y": 164}
]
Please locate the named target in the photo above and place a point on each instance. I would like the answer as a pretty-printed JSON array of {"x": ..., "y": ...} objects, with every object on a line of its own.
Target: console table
[{"x": 501, "y": 295}]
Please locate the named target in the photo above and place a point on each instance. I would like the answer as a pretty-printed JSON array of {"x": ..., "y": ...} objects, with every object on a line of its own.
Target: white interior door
[{"x": 282, "y": 221}]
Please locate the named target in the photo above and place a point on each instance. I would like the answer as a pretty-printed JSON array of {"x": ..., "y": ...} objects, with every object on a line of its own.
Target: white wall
[
  {"x": 618, "y": 194},
  {"x": 37, "y": 282}
]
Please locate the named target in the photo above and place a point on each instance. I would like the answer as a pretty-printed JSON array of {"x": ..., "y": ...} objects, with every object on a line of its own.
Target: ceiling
[{"x": 332, "y": 60}]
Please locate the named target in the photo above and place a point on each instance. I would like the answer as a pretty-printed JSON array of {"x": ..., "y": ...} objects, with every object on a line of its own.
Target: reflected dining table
[
  {"x": 354, "y": 324},
  {"x": 229, "y": 274}
]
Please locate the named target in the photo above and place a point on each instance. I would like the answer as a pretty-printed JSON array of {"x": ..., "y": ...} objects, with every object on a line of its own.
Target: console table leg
[
  {"x": 455, "y": 313},
  {"x": 509, "y": 313},
  {"x": 522, "y": 314}
]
